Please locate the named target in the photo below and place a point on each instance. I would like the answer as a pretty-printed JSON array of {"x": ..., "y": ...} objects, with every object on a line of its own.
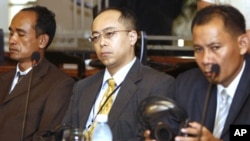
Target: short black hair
[
  {"x": 232, "y": 18},
  {"x": 127, "y": 17},
  {"x": 45, "y": 22}
]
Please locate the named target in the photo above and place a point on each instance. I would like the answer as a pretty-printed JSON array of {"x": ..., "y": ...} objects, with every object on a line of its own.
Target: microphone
[
  {"x": 34, "y": 58},
  {"x": 215, "y": 70}
]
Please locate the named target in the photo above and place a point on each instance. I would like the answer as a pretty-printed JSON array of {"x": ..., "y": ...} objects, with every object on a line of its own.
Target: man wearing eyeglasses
[{"x": 114, "y": 36}]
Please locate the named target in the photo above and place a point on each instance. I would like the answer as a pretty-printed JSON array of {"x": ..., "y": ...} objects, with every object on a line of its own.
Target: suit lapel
[
  {"x": 126, "y": 92},
  {"x": 211, "y": 111},
  {"x": 21, "y": 88},
  {"x": 5, "y": 82},
  {"x": 211, "y": 107},
  {"x": 89, "y": 96},
  {"x": 241, "y": 95}
]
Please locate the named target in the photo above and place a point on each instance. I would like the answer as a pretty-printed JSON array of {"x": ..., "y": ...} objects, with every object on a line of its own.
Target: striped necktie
[{"x": 221, "y": 114}]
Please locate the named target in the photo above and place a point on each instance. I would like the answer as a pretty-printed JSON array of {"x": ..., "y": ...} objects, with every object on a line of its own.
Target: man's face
[
  {"x": 115, "y": 46},
  {"x": 213, "y": 45},
  {"x": 22, "y": 40}
]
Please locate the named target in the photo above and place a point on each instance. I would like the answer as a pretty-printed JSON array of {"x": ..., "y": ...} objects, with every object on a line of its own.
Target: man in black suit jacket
[
  {"x": 219, "y": 37},
  {"x": 114, "y": 36},
  {"x": 32, "y": 30}
]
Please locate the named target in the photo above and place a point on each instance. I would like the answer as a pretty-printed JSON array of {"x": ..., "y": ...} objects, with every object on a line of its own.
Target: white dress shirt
[
  {"x": 14, "y": 82},
  {"x": 118, "y": 77}
]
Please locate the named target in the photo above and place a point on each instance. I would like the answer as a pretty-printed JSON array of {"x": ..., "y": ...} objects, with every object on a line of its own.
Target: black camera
[{"x": 163, "y": 117}]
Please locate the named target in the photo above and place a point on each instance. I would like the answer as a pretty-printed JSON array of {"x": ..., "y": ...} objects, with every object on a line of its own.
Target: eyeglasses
[{"x": 106, "y": 34}]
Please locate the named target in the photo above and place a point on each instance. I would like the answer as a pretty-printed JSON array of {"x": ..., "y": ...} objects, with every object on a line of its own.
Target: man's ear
[
  {"x": 133, "y": 37},
  {"x": 43, "y": 40},
  {"x": 243, "y": 43}
]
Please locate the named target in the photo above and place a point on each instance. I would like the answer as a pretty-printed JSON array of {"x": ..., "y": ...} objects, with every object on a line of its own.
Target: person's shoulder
[
  {"x": 247, "y": 60},
  {"x": 7, "y": 74},
  {"x": 191, "y": 71},
  {"x": 194, "y": 72},
  {"x": 57, "y": 71},
  {"x": 90, "y": 80},
  {"x": 12, "y": 71},
  {"x": 150, "y": 74},
  {"x": 53, "y": 72},
  {"x": 191, "y": 76},
  {"x": 154, "y": 72},
  {"x": 247, "y": 57}
]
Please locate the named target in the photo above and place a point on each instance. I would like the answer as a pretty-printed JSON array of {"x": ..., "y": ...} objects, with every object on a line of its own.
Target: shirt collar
[
  {"x": 22, "y": 72},
  {"x": 120, "y": 75},
  {"x": 233, "y": 85}
]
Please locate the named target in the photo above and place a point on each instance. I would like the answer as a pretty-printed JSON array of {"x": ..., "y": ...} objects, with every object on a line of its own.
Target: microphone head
[
  {"x": 215, "y": 69},
  {"x": 35, "y": 57}
]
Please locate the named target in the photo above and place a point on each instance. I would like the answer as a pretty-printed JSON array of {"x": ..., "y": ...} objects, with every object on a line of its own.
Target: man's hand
[
  {"x": 193, "y": 132},
  {"x": 147, "y": 136}
]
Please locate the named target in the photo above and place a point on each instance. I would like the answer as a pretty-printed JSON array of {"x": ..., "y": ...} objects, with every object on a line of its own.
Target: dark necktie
[{"x": 20, "y": 76}]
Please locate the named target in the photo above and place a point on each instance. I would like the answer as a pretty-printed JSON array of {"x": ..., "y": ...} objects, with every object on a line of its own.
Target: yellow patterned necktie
[
  {"x": 106, "y": 102},
  {"x": 104, "y": 106}
]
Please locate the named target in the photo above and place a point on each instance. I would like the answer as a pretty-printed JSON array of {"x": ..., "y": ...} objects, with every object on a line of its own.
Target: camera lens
[{"x": 163, "y": 133}]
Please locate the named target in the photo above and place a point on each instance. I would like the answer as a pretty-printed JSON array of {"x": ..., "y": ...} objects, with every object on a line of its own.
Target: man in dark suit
[
  {"x": 219, "y": 37},
  {"x": 32, "y": 30},
  {"x": 114, "y": 36}
]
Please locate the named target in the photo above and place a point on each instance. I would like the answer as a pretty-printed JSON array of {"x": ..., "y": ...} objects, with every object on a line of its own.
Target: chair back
[
  {"x": 1, "y": 45},
  {"x": 141, "y": 47},
  {"x": 67, "y": 61}
]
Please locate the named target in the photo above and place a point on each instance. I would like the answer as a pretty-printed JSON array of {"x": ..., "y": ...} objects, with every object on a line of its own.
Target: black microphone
[
  {"x": 34, "y": 58},
  {"x": 215, "y": 70}
]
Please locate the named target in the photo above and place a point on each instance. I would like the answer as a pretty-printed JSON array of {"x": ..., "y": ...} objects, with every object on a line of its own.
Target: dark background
[{"x": 155, "y": 17}]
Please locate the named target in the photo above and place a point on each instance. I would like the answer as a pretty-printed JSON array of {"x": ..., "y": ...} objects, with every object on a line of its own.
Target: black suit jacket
[
  {"x": 140, "y": 82},
  {"x": 50, "y": 92},
  {"x": 191, "y": 89}
]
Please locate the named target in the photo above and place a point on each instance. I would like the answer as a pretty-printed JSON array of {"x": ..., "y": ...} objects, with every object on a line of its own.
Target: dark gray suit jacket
[
  {"x": 140, "y": 82},
  {"x": 50, "y": 93},
  {"x": 191, "y": 88}
]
